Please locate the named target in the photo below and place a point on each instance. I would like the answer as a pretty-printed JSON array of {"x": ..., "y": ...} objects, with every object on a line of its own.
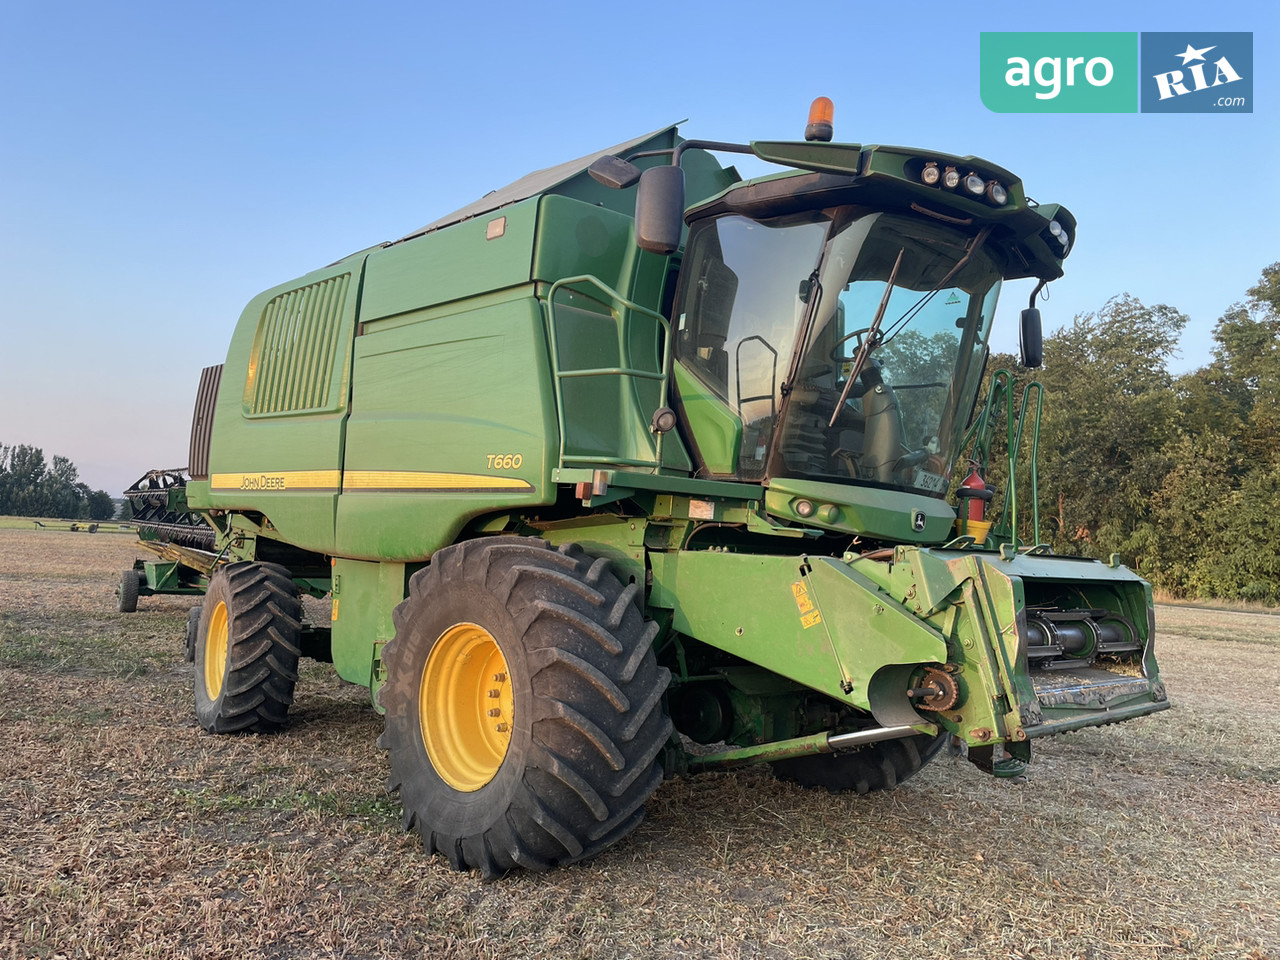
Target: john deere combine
[{"x": 633, "y": 468}]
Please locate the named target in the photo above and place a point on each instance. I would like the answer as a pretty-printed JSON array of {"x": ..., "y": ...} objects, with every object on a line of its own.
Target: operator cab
[
  {"x": 830, "y": 323},
  {"x": 849, "y": 341}
]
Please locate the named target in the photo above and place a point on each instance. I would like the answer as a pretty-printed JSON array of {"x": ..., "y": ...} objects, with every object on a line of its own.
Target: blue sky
[{"x": 161, "y": 163}]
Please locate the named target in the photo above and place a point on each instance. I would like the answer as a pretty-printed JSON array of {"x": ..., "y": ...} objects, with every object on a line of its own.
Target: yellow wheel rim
[
  {"x": 465, "y": 707},
  {"x": 215, "y": 651}
]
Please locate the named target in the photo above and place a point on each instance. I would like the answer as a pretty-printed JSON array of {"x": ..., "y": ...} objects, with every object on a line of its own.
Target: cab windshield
[{"x": 777, "y": 317}]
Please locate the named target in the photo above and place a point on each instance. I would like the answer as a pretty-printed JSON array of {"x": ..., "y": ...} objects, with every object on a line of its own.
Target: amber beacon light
[{"x": 820, "y": 115}]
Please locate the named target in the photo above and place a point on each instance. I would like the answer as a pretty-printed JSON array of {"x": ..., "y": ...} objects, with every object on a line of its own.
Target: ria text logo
[{"x": 1197, "y": 73}]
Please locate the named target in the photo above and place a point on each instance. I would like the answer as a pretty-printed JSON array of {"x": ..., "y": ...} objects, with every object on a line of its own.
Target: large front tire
[
  {"x": 876, "y": 766},
  {"x": 523, "y": 704},
  {"x": 246, "y": 653}
]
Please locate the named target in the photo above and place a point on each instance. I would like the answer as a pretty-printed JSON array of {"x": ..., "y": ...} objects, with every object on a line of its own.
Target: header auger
[{"x": 633, "y": 468}]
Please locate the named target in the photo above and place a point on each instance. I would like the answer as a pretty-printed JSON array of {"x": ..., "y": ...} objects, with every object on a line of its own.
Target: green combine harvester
[{"x": 633, "y": 469}]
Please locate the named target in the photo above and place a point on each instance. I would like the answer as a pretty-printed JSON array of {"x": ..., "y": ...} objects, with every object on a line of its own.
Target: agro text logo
[
  {"x": 1197, "y": 72},
  {"x": 1059, "y": 72}
]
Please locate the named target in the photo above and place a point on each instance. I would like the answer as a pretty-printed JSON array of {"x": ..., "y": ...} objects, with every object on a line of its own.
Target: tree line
[
  {"x": 32, "y": 487},
  {"x": 1180, "y": 475}
]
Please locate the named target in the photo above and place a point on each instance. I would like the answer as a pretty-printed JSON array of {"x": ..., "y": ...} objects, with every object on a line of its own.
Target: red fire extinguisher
[{"x": 974, "y": 489}]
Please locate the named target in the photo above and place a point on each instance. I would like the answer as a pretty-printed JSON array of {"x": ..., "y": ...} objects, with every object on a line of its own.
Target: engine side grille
[{"x": 295, "y": 349}]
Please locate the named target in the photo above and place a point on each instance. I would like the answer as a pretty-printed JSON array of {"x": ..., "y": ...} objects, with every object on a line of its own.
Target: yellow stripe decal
[
  {"x": 416, "y": 480},
  {"x": 278, "y": 480}
]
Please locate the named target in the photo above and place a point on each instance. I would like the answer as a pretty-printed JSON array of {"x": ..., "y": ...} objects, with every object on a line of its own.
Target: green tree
[
  {"x": 1230, "y": 421},
  {"x": 100, "y": 505},
  {"x": 25, "y": 470},
  {"x": 1181, "y": 476},
  {"x": 1212, "y": 530},
  {"x": 1205, "y": 468},
  {"x": 1109, "y": 418},
  {"x": 61, "y": 493},
  {"x": 32, "y": 487},
  {"x": 1210, "y": 401},
  {"x": 1244, "y": 525},
  {"x": 1248, "y": 357}
]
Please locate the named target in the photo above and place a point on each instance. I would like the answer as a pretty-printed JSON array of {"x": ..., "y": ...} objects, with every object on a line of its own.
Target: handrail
[
  {"x": 1035, "y": 452},
  {"x": 624, "y": 355},
  {"x": 773, "y": 383},
  {"x": 980, "y": 436},
  {"x": 980, "y": 433}
]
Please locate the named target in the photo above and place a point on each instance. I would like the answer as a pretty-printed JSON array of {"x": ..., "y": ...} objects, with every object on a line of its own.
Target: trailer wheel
[
  {"x": 246, "y": 650},
  {"x": 877, "y": 766},
  {"x": 192, "y": 633},
  {"x": 524, "y": 715},
  {"x": 127, "y": 591}
]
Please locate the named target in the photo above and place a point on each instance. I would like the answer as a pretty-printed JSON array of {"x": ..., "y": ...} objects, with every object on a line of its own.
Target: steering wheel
[{"x": 836, "y": 353}]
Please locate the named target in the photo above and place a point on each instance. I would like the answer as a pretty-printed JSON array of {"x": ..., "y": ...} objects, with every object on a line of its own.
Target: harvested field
[{"x": 125, "y": 831}]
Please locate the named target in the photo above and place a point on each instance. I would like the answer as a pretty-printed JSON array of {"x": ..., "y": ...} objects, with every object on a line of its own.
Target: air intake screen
[{"x": 293, "y": 355}]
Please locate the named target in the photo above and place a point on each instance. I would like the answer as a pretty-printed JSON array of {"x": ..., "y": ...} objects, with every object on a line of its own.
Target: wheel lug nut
[
  {"x": 494, "y": 694},
  {"x": 495, "y": 712},
  {"x": 499, "y": 678},
  {"x": 502, "y": 728}
]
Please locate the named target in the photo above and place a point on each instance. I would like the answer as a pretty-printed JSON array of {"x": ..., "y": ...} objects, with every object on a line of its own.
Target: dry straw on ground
[{"x": 125, "y": 831}]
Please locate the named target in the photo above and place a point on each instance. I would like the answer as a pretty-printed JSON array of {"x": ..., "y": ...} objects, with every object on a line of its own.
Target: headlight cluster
[
  {"x": 827, "y": 513},
  {"x": 974, "y": 185},
  {"x": 1058, "y": 233}
]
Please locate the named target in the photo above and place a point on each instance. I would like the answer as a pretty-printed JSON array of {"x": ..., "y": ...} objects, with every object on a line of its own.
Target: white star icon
[{"x": 1191, "y": 53}]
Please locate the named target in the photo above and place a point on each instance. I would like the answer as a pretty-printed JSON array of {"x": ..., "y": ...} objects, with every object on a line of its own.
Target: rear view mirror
[
  {"x": 660, "y": 210},
  {"x": 1031, "y": 339}
]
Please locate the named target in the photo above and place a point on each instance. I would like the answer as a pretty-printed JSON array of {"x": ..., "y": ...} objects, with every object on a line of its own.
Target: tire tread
[
  {"x": 263, "y": 649},
  {"x": 597, "y": 721}
]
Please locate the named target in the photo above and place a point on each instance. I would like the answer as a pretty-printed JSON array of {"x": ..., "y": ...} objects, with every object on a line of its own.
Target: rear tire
[
  {"x": 127, "y": 591},
  {"x": 507, "y": 632},
  {"x": 876, "y": 766},
  {"x": 246, "y": 651}
]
